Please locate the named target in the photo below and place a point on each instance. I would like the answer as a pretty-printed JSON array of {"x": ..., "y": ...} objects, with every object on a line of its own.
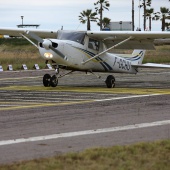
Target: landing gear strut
[
  {"x": 53, "y": 80},
  {"x": 110, "y": 81}
]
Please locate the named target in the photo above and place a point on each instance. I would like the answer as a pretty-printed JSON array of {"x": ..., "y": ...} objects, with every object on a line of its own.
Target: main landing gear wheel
[
  {"x": 54, "y": 81},
  {"x": 110, "y": 81},
  {"x": 46, "y": 80}
]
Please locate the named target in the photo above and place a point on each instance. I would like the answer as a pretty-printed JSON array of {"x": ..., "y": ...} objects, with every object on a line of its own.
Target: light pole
[
  {"x": 22, "y": 17},
  {"x": 139, "y": 14}
]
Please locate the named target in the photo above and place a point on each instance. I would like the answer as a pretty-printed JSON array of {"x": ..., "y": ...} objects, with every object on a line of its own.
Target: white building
[{"x": 120, "y": 26}]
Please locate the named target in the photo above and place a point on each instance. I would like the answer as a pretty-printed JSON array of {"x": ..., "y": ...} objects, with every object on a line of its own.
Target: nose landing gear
[{"x": 51, "y": 80}]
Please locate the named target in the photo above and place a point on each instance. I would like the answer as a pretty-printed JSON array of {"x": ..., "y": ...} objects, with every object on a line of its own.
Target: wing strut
[
  {"x": 28, "y": 40},
  {"x": 107, "y": 50}
]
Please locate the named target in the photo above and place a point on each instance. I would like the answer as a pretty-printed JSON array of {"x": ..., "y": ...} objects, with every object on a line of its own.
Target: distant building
[{"x": 120, "y": 26}]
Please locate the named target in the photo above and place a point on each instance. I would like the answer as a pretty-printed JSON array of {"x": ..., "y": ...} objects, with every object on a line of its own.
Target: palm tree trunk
[
  {"x": 144, "y": 17},
  {"x": 101, "y": 16},
  {"x": 133, "y": 22},
  {"x": 88, "y": 24},
  {"x": 150, "y": 23},
  {"x": 163, "y": 23}
]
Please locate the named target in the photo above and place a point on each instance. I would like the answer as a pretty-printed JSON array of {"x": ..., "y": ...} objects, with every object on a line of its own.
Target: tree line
[{"x": 88, "y": 16}]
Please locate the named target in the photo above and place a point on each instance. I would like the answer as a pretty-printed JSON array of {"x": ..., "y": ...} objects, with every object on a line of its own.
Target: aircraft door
[{"x": 93, "y": 46}]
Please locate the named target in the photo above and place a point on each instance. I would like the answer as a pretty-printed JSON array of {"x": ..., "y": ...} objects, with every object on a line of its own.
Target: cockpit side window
[
  {"x": 93, "y": 44},
  {"x": 72, "y": 36}
]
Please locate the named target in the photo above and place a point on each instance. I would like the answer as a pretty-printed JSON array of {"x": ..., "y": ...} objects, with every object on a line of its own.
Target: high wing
[
  {"x": 15, "y": 32},
  {"x": 139, "y": 39}
]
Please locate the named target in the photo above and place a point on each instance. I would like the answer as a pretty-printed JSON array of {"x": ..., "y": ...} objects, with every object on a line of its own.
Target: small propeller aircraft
[{"x": 89, "y": 51}]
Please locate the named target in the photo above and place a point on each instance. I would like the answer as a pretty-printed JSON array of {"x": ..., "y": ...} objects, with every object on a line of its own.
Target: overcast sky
[{"x": 52, "y": 14}]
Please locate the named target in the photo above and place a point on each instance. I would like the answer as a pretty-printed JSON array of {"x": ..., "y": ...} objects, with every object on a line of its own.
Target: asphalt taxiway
[{"x": 80, "y": 113}]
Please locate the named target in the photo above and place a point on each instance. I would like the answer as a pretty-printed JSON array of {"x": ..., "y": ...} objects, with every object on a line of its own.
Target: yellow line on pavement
[
  {"x": 20, "y": 78},
  {"x": 19, "y": 103},
  {"x": 44, "y": 105},
  {"x": 77, "y": 102},
  {"x": 89, "y": 89}
]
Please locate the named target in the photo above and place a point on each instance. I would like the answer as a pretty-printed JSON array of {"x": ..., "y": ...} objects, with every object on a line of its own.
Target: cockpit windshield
[{"x": 72, "y": 36}]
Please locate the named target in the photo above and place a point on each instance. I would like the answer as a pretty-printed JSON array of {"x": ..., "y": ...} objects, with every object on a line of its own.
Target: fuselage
[{"x": 71, "y": 50}]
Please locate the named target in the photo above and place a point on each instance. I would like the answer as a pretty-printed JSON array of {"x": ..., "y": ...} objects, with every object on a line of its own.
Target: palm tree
[
  {"x": 145, "y": 3},
  {"x": 165, "y": 15},
  {"x": 149, "y": 13},
  {"x": 105, "y": 22},
  {"x": 162, "y": 15},
  {"x": 87, "y": 16},
  {"x": 167, "y": 25},
  {"x": 101, "y": 5}
]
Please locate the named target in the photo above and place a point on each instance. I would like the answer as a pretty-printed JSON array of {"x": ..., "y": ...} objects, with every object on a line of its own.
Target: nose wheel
[{"x": 50, "y": 81}]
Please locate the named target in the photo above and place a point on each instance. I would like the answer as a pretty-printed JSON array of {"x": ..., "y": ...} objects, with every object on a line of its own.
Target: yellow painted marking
[
  {"x": 13, "y": 102},
  {"x": 89, "y": 89},
  {"x": 44, "y": 105},
  {"x": 78, "y": 102},
  {"x": 20, "y": 78},
  {"x": 25, "y": 105}
]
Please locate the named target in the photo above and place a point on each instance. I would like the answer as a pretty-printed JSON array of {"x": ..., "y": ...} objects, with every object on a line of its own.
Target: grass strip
[{"x": 140, "y": 156}]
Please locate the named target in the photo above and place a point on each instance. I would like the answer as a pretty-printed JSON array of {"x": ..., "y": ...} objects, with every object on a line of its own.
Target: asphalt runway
[{"x": 81, "y": 113}]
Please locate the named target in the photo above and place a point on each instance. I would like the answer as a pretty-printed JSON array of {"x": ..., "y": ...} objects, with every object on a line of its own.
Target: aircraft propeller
[{"x": 46, "y": 43}]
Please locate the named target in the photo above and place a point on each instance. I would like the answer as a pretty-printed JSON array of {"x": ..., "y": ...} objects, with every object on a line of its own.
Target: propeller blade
[{"x": 57, "y": 51}]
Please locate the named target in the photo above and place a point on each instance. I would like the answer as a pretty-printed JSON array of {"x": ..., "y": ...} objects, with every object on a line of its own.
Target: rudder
[{"x": 137, "y": 56}]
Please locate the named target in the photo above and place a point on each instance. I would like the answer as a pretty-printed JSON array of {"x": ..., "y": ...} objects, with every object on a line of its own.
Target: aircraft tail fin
[{"x": 137, "y": 57}]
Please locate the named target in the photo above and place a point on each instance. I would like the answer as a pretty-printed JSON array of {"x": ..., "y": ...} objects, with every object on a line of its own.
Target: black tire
[
  {"x": 46, "y": 80},
  {"x": 54, "y": 81},
  {"x": 110, "y": 81}
]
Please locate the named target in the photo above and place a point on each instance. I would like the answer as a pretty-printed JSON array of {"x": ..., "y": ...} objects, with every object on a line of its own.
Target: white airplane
[{"x": 88, "y": 51}]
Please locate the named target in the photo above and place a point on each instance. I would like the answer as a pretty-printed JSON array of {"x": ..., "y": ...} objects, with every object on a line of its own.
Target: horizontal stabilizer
[{"x": 151, "y": 65}]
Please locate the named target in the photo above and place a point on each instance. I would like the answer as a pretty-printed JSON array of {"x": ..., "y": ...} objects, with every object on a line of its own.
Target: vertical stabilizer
[{"x": 137, "y": 57}]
